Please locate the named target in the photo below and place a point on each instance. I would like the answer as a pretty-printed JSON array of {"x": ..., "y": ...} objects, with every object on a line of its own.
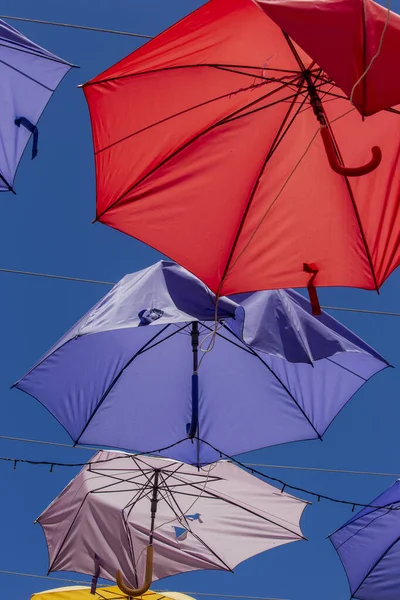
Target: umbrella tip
[{"x": 94, "y": 221}]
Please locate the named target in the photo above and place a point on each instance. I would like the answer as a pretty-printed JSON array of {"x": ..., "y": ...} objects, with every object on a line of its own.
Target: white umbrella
[{"x": 122, "y": 508}]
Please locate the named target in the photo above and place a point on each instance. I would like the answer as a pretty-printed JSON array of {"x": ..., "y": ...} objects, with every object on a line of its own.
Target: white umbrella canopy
[{"x": 121, "y": 508}]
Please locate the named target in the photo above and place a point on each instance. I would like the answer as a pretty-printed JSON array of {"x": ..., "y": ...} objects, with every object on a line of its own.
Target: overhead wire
[
  {"x": 363, "y": 310},
  {"x": 284, "y": 485},
  {"x": 225, "y": 595},
  {"x": 111, "y": 283},
  {"x": 80, "y": 582},
  {"x": 44, "y": 442},
  {"x": 246, "y": 464},
  {"x": 73, "y": 26},
  {"x": 62, "y": 277},
  {"x": 322, "y": 470},
  {"x": 19, "y": 574}
]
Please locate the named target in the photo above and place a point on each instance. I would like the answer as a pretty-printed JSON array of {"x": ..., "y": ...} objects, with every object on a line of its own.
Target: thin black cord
[
  {"x": 53, "y": 463},
  {"x": 289, "y": 486},
  {"x": 284, "y": 485},
  {"x": 62, "y": 277},
  {"x": 78, "y": 581},
  {"x": 261, "y": 465},
  {"x": 72, "y": 26}
]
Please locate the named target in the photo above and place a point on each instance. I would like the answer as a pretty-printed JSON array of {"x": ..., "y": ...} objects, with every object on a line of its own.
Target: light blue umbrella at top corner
[
  {"x": 29, "y": 76},
  {"x": 132, "y": 373},
  {"x": 369, "y": 548}
]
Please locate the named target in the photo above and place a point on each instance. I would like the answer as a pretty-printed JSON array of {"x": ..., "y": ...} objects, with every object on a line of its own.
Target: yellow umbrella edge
[{"x": 103, "y": 593}]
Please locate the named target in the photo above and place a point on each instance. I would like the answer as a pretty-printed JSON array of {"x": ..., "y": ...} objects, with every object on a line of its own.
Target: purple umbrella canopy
[
  {"x": 369, "y": 547},
  {"x": 29, "y": 76},
  {"x": 150, "y": 518},
  {"x": 133, "y": 373}
]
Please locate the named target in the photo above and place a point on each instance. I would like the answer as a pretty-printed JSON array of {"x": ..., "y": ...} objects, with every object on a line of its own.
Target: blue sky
[{"x": 46, "y": 228}]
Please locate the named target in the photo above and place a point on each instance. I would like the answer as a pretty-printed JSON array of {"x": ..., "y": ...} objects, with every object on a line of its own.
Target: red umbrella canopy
[
  {"x": 208, "y": 148},
  {"x": 347, "y": 38}
]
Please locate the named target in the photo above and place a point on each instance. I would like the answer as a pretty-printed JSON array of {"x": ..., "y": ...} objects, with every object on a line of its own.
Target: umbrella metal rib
[
  {"x": 114, "y": 381},
  {"x": 196, "y": 137},
  {"x": 255, "y": 354},
  {"x": 181, "y": 516},
  {"x": 46, "y": 87},
  {"x": 39, "y": 54},
  {"x": 307, "y": 76},
  {"x": 193, "y": 425},
  {"x": 378, "y": 561}
]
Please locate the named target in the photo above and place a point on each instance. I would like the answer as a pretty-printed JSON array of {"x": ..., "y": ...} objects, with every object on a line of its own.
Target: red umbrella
[
  {"x": 207, "y": 148},
  {"x": 352, "y": 40}
]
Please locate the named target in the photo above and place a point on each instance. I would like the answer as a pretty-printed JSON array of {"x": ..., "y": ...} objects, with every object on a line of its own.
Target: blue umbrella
[
  {"x": 29, "y": 76},
  {"x": 369, "y": 547},
  {"x": 133, "y": 373}
]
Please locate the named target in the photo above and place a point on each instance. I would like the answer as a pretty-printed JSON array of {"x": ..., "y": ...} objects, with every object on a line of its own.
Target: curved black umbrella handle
[
  {"x": 147, "y": 580},
  {"x": 348, "y": 171}
]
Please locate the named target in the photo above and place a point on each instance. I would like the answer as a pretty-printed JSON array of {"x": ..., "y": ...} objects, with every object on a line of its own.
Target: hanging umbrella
[
  {"x": 148, "y": 518},
  {"x": 133, "y": 374},
  {"x": 369, "y": 547},
  {"x": 207, "y": 148},
  {"x": 29, "y": 76},
  {"x": 75, "y": 592},
  {"x": 366, "y": 58}
]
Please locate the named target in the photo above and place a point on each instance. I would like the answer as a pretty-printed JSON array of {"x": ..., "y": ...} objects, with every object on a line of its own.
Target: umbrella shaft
[
  {"x": 315, "y": 100},
  {"x": 194, "y": 334},
  {"x": 154, "y": 501},
  {"x": 192, "y": 427}
]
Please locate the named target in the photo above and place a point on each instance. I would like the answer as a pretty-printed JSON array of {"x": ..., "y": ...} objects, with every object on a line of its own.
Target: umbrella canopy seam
[
  {"x": 44, "y": 55},
  {"x": 116, "y": 378},
  {"x": 254, "y": 353},
  {"x": 376, "y": 564},
  {"x": 192, "y": 141}
]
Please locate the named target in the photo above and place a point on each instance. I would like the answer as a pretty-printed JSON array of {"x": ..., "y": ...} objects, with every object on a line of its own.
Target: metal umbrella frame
[{"x": 151, "y": 503}]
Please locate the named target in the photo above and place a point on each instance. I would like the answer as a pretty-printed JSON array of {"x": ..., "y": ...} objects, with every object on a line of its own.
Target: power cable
[
  {"x": 73, "y": 26},
  {"x": 46, "y": 443},
  {"x": 319, "y": 496},
  {"x": 285, "y": 485},
  {"x": 62, "y": 277},
  {"x": 258, "y": 465},
  {"x": 17, "y": 573},
  {"x": 111, "y": 283}
]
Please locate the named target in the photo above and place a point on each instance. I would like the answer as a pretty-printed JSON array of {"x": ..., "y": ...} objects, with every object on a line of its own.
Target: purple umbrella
[
  {"x": 131, "y": 373},
  {"x": 369, "y": 548},
  {"x": 151, "y": 518},
  {"x": 29, "y": 75}
]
